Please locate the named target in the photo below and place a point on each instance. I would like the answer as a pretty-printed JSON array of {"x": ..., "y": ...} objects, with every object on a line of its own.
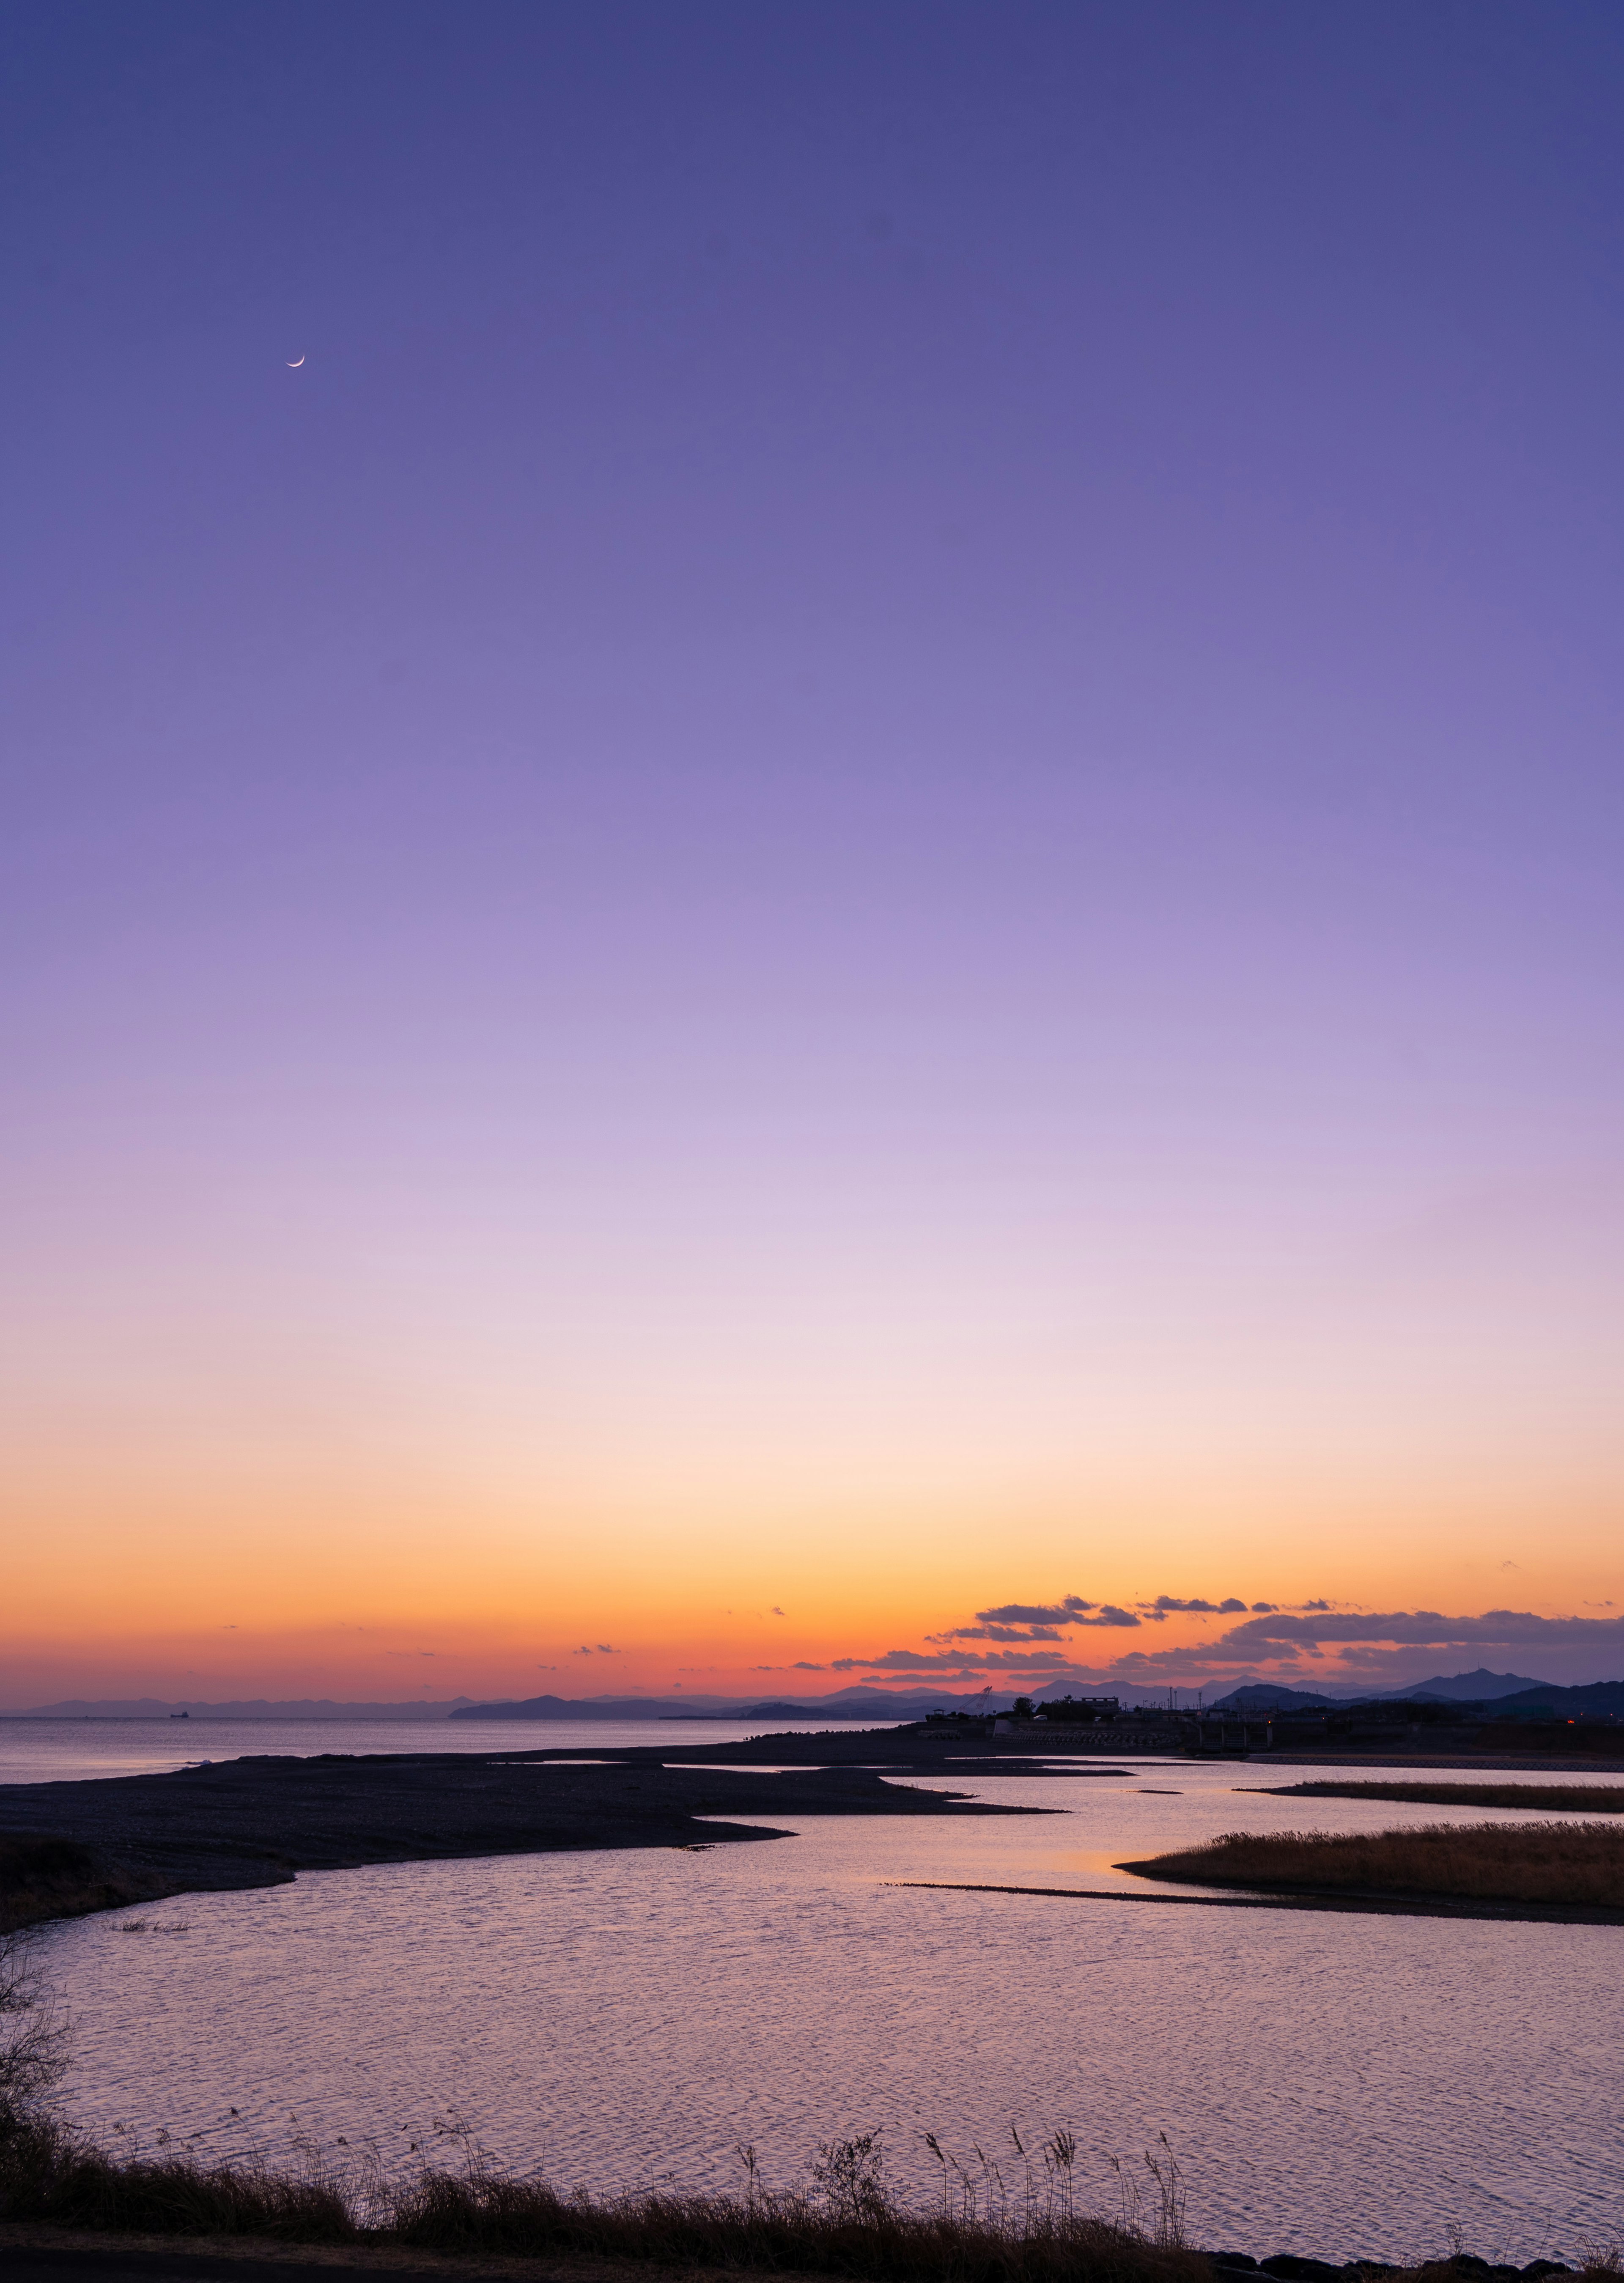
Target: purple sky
[{"x": 950, "y": 672}]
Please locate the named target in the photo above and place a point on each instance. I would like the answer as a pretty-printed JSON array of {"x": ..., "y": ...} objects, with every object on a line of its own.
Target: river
[{"x": 1329, "y": 2083}]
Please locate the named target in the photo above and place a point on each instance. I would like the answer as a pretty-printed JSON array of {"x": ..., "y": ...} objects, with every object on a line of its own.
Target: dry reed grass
[
  {"x": 1575, "y": 1863},
  {"x": 988, "y": 2227},
  {"x": 45, "y": 1878},
  {"x": 47, "y": 2173},
  {"x": 846, "y": 2224}
]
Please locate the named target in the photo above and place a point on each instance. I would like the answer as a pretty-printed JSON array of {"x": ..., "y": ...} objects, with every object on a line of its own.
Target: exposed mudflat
[{"x": 257, "y": 1822}]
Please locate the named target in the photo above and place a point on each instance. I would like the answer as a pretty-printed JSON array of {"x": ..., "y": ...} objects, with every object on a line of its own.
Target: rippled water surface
[{"x": 1331, "y": 2083}]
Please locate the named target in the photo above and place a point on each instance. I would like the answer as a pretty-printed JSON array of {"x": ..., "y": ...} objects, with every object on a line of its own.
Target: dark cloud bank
[{"x": 1031, "y": 1638}]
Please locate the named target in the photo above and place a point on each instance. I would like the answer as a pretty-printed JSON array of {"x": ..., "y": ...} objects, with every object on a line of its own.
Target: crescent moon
[{"x": 294, "y": 363}]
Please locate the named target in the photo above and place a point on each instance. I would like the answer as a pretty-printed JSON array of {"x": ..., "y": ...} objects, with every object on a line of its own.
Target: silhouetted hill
[
  {"x": 1479, "y": 1687},
  {"x": 1504, "y": 1692},
  {"x": 592, "y": 1708},
  {"x": 1595, "y": 1700},
  {"x": 1269, "y": 1697}
]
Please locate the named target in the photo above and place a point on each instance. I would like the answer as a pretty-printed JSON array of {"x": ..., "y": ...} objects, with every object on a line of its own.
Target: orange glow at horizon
[
  {"x": 388, "y": 1452},
  {"x": 426, "y": 1595}
]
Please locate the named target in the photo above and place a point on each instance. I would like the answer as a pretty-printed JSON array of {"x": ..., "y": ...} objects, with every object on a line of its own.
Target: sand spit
[{"x": 259, "y": 1822}]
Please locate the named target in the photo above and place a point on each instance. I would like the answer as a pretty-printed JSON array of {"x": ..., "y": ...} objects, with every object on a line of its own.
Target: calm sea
[
  {"x": 46, "y": 1751},
  {"x": 1339, "y": 2085}
]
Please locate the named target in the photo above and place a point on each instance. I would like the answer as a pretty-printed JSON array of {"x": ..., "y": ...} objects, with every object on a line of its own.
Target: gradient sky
[{"x": 867, "y": 862}]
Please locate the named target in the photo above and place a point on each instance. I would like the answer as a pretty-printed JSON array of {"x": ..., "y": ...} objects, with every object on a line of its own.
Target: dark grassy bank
[
  {"x": 1551, "y": 1799},
  {"x": 51, "y": 1878},
  {"x": 845, "y": 2226},
  {"x": 1568, "y": 1863}
]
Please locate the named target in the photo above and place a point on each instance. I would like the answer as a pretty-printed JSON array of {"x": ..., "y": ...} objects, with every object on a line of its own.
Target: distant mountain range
[
  {"x": 856, "y": 1703},
  {"x": 1598, "y": 1698},
  {"x": 255, "y": 1708},
  {"x": 1507, "y": 1692},
  {"x": 1479, "y": 1687}
]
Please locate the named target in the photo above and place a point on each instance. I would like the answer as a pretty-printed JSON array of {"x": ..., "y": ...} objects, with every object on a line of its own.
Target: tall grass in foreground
[
  {"x": 986, "y": 2229},
  {"x": 845, "y": 2223},
  {"x": 1575, "y": 1863}
]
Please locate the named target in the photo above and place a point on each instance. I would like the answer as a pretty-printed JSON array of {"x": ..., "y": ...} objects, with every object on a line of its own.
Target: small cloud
[
  {"x": 547, "y": 1668},
  {"x": 1231, "y": 1608},
  {"x": 960, "y": 1663},
  {"x": 997, "y": 1633},
  {"x": 605, "y": 1650},
  {"x": 1264, "y": 1609},
  {"x": 1063, "y": 1612},
  {"x": 777, "y": 1612},
  {"x": 1511, "y": 1565},
  {"x": 1037, "y": 1620},
  {"x": 804, "y": 1667},
  {"x": 1313, "y": 1605}
]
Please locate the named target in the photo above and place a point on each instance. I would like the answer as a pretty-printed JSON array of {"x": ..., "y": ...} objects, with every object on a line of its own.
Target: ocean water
[
  {"x": 1334, "y": 2085},
  {"x": 49, "y": 1751}
]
